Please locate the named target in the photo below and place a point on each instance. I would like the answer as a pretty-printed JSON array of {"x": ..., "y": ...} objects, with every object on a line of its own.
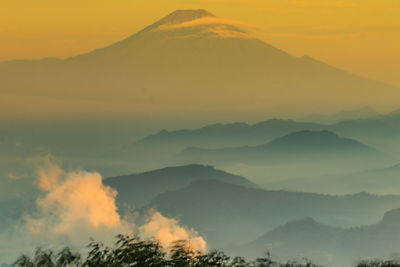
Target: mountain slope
[
  {"x": 140, "y": 189},
  {"x": 191, "y": 61}
]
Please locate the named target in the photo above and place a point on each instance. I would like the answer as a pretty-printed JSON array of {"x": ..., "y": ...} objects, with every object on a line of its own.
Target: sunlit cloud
[
  {"x": 169, "y": 230},
  {"x": 202, "y": 21},
  {"x": 76, "y": 205},
  {"x": 212, "y": 25}
]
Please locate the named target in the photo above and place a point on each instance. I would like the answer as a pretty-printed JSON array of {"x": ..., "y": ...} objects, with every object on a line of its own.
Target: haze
[
  {"x": 361, "y": 36},
  {"x": 186, "y": 127}
]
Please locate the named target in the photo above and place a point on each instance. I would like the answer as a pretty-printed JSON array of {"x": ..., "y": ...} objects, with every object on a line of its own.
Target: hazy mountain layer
[
  {"x": 140, "y": 189},
  {"x": 235, "y": 134},
  {"x": 298, "y": 147},
  {"x": 229, "y": 215},
  {"x": 329, "y": 245}
]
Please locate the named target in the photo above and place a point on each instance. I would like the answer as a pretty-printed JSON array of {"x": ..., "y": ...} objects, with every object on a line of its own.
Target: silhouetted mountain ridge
[
  {"x": 208, "y": 206},
  {"x": 139, "y": 189},
  {"x": 299, "y": 146},
  {"x": 327, "y": 245}
]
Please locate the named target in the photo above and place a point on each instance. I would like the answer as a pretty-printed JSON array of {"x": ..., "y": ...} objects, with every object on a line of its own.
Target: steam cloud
[
  {"x": 76, "y": 205},
  {"x": 168, "y": 230}
]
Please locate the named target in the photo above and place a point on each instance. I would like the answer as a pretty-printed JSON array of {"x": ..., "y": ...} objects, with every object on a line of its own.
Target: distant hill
[
  {"x": 312, "y": 240},
  {"x": 331, "y": 246},
  {"x": 189, "y": 61},
  {"x": 161, "y": 149},
  {"x": 381, "y": 127},
  {"x": 218, "y": 210},
  {"x": 220, "y": 135},
  {"x": 140, "y": 189},
  {"x": 298, "y": 146}
]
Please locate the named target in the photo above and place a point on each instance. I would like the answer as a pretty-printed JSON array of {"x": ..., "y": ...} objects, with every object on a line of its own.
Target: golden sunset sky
[{"x": 362, "y": 36}]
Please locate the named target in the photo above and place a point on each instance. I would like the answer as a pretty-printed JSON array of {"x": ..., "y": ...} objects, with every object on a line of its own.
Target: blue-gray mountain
[
  {"x": 298, "y": 146},
  {"x": 236, "y": 134},
  {"x": 327, "y": 245},
  {"x": 140, "y": 189},
  {"x": 228, "y": 215}
]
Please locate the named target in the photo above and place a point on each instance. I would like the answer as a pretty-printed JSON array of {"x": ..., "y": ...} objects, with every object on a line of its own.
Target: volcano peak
[{"x": 186, "y": 15}]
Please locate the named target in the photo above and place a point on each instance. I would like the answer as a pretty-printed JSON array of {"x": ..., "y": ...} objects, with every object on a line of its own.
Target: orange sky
[{"x": 362, "y": 36}]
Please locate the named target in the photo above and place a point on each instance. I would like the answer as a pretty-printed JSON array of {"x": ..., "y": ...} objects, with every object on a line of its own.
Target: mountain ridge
[
  {"x": 301, "y": 145},
  {"x": 328, "y": 245},
  {"x": 255, "y": 209},
  {"x": 139, "y": 189}
]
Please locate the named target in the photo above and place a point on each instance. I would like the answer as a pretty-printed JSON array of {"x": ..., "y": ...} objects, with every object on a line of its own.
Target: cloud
[
  {"x": 76, "y": 205},
  {"x": 201, "y": 21},
  {"x": 168, "y": 230},
  {"x": 219, "y": 27},
  {"x": 49, "y": 173}
]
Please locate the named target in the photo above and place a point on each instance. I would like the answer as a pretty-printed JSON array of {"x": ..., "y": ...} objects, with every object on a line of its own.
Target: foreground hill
[
  {"x": 188, "y": 61},
  {"x": 140, "y": 189},
  {"x": 298, "y": 146},
  {"x": 331, "y": 246},
  {"x": 218, "y": 210}
]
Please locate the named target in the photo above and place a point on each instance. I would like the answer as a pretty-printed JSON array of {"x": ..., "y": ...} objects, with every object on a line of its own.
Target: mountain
[
  {"x": 161, "y": 149},
  {"x": 327, "y": 245},
  {"x": 140, "y": 189},
  {"x": 298, "y": 146},
  {"x": 311, "y": 238},
  {"x": 166, "y": 144},
  {"x": 381, "y": 131},
  {"x": 240, "y": 133},
  {"x": 228, "y": 215},
  {"x": 190, "y": 61},
  {"x": 222, "y": 135}
]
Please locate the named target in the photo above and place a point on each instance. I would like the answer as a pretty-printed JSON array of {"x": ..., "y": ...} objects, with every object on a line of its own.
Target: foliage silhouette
[{"x": 132, "y": 251}]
